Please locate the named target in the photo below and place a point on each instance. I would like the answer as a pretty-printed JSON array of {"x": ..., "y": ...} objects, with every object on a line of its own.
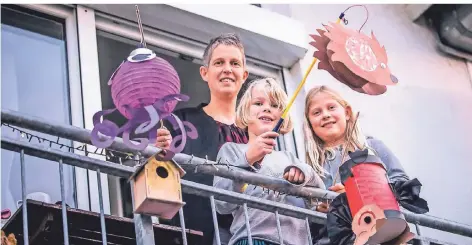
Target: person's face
[
  {"x": 225, "y": 73},
  {"x": 328, "y": 118},
  {"x": 263, "y": 114}
]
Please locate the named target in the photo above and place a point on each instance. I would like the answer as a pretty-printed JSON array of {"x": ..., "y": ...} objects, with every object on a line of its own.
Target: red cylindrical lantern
[{"x": 375, "y": 210}]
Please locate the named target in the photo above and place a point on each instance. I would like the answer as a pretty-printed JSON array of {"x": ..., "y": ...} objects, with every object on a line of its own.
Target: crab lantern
[
  {"x": 353, "y": 58},
  {"x": 145, "y": 90},
  {"x": 376, "y": 215}
]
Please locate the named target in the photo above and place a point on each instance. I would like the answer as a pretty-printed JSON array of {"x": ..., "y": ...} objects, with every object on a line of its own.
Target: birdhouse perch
[{"x": 157, "y": 189}]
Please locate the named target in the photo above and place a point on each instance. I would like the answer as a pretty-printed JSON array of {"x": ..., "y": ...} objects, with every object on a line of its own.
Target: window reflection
[
  {"x": 112, "y": 50},
  {"x": 34, "y": 82}
]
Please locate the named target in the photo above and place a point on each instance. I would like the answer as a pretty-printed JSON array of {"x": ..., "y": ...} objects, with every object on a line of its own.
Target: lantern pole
[
  {"x": 285, "y": 113},
  {"x": 300, "y": 85}
]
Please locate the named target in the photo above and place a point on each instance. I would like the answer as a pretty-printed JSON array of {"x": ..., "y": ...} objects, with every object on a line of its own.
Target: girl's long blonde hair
[{"x": 314, "y": 146}]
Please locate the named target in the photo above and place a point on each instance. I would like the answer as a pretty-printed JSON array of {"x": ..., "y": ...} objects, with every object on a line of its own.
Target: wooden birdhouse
[{"x": 157, "y": 190}]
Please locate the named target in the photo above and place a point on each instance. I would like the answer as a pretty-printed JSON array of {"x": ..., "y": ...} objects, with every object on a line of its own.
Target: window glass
[
  {"x": 112, "y": 50},
  {"x": 34, "y": 82}
]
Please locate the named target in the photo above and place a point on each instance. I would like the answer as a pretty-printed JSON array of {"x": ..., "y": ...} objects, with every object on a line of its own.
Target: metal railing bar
[
  {"x": 418, "y": 233},
  {"x": 190, "y": 164},
  {"x": 438, "y": 223},
  {"x": 116, "y": 236},
  {"x": 65, "y": 131},
  {"x": 143, "y": 227},
  {"x": 307, "y": 225},
  {"x": 23, "y": 198},
  {"x": 83, "y": 135},
  {"x": 253, "y": 202},
  {"x": 126, "y": 171},
  {"x": 248, "y": 225},
  {"x": 182, "y": 225},
  {"x": 144, "y": 230},
  {"x": 215, "y": 220},
  {"x": 65, "y": 225},
  {"x": 68, "y": 158},
  {"x": 279, "y": 229},
  {"x": 187, "y": 186},
  {"x": 427, "y": 241},
  {"x": 203, "y": 190},
  {"x": 102, "y": 213}
]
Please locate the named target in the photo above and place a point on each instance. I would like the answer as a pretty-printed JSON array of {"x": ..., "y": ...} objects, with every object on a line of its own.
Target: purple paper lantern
[
  {"x": 145, "y": 89},
  {"x": 141, "y": 80}
]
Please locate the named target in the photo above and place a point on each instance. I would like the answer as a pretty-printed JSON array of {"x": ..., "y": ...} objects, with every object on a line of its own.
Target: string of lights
[
  {"x": 107, "y": 153},
  {"x": 113, "y": 155}
]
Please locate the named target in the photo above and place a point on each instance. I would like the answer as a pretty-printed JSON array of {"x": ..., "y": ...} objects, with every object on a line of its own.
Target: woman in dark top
[{"x": 225, "y": 72}]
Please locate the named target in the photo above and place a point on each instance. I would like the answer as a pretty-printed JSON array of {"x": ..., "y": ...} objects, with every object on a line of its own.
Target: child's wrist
[
  {"x": 249, "y": 159},
  {"x": 251, "y": 164}
]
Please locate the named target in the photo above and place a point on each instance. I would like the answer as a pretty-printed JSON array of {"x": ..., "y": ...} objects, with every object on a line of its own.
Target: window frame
[
  {"x": 82, "y": 24},
  {"x": 180, "y": 46},
  {"x": 68, "y": 15},
  {"x": 192, "y": 49}
]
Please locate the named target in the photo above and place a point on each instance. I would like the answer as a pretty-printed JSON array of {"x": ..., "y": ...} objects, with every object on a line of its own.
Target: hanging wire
[
  {"x": 356, "y": 5},
  {"x": 140, "y": 26}
]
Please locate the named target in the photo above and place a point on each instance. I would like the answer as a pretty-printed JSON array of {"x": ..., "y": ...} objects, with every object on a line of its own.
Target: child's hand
[
  {"x": 338, "y": 188},
  {"x": 263, "y": 145},
  {"x": 322, "y": 207},
  {"x": 164, "y": 138},
  {"x": 294, "y": 175}
]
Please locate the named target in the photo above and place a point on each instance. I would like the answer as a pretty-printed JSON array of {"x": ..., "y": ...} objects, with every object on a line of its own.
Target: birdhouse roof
[
  {"x": 141, "y": 167},
  {"x": 181, "y": 170}
]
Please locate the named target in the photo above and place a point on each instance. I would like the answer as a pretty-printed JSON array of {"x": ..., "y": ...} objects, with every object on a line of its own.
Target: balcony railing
[{"x": 144, "y": 230}]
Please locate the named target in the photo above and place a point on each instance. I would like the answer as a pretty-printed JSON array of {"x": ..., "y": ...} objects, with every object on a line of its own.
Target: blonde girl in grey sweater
[{"x": 259, "y": 110}]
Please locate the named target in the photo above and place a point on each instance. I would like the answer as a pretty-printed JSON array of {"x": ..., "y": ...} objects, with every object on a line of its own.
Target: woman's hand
[
  {"x": 263, "y": 145},
  {"x": 164, "y": 138},
  {"x": 294, "y": 175},
  {"x": 338, "y": 188}
]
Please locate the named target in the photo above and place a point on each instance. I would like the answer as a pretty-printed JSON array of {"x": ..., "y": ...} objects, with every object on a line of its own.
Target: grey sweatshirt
[
  {"x": 394, "y": 168},
  {"x": 263, "y": 224}
]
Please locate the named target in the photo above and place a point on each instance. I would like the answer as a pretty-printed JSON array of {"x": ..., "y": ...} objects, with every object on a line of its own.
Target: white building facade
[{"x": 426, "y": 119}]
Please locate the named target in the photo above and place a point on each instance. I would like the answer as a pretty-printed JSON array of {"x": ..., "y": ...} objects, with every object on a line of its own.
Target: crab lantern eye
[{"x": 383, "y": 65}]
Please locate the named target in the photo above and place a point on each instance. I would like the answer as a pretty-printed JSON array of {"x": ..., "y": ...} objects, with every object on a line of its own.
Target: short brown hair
[
  {"x": 276, "y": 94},
  {"x": 230, "y": 39}
]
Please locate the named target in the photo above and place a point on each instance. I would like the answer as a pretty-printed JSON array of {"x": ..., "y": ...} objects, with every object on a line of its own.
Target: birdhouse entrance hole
[{"x": 162, "y": 172}]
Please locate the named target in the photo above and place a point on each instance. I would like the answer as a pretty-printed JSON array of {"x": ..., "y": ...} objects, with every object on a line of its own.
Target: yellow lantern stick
[{"x": 285, "y": 113}]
